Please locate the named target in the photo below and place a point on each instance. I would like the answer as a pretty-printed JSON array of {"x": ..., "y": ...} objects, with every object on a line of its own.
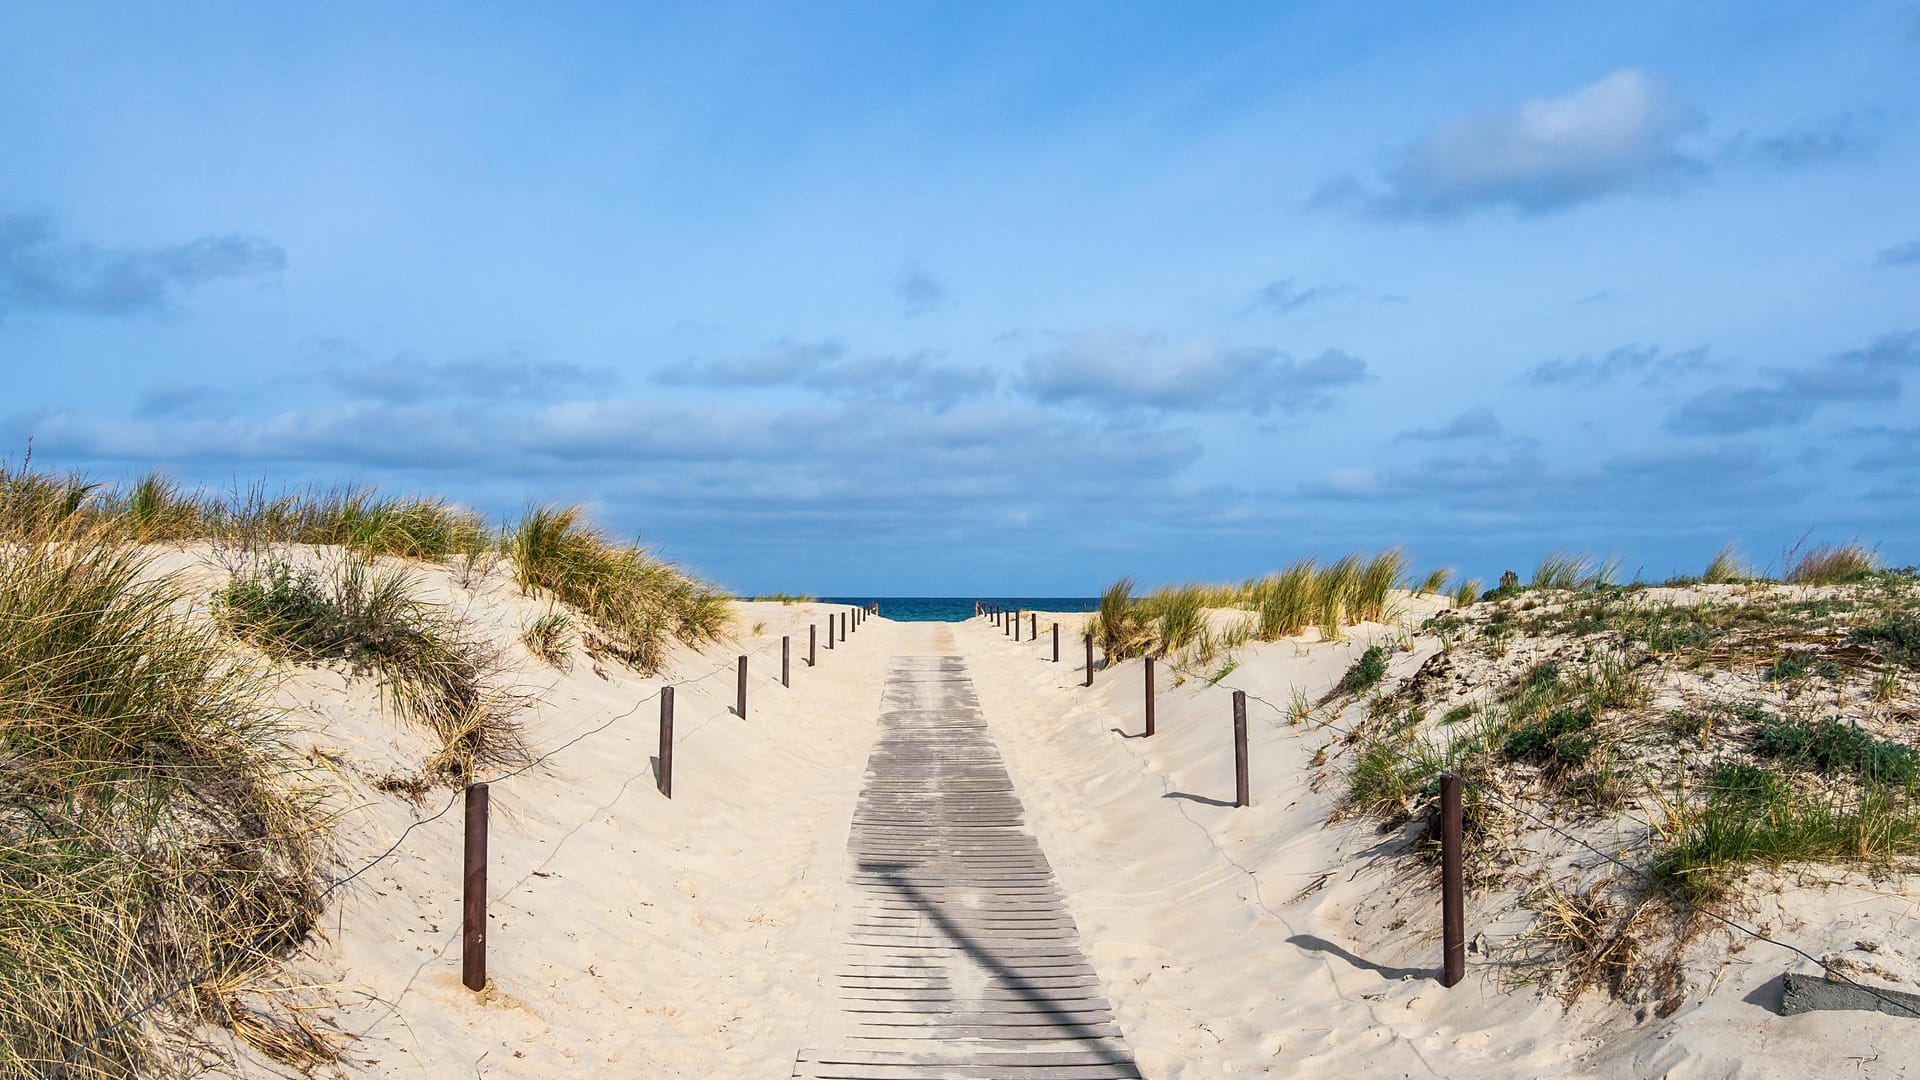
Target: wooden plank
[{"x": 961, "y": 956}]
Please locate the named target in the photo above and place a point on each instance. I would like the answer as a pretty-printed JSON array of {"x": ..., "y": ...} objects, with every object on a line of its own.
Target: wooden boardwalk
[{"x": 960, "y": 959}]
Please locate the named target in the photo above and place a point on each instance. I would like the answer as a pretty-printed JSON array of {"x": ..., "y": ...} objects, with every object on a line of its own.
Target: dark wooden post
[
  {"x": 813, "y": 638},
  {"x": 786, "y": 652},
  {"x": 666, "y": 741},
  {"x": 1056, "y": 643},
  {"x": 829, "y": 631},
  {"x": 1149, "y": 671},
  {"x": 843, "y": 626},
  {"x": 1089, "y": 659},
  {"x": 1033, "y": 626},
  {"x": 740, "y": 697},
  {"x": 1241, "y": 795},
  {"x": 473, "y": 893},
  {"x": 1453, "y": 900}
]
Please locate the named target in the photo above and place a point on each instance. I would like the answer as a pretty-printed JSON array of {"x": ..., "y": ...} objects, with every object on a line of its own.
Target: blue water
[{"x": 960, "y": 608}]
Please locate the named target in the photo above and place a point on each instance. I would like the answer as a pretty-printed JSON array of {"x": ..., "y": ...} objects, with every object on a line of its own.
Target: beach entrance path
[{"x": 958, "y": 958}]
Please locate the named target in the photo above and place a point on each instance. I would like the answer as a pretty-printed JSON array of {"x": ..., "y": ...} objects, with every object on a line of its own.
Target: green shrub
[
  {"x": 1833, "y": 747},
  {"x": 1897, "y": 636},
  {"x": 1559, "y": 740},
  {"x": 1365, "y": 672}
]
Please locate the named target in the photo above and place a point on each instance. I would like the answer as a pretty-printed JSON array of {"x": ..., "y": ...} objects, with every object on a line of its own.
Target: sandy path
[
  {"x": 630, "y": 934},
  {"x": 959, "y": 957}
]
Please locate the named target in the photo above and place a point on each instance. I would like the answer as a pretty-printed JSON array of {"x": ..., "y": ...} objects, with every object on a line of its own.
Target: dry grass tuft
[
  {"x": 145, "y": 832},
  {"x": 1831, "y": 565},
  {"x": 635, "y": 603}
]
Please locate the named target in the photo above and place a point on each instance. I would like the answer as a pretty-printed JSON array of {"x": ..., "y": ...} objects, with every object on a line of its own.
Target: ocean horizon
[{"x": 960, "y": 608}]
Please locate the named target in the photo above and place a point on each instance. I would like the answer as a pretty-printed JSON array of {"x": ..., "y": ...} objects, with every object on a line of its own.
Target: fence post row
[
  {"x": 1149, "y": 671},
  {"x": 1453, "y": 910},
  {"x": 740, "y": 698},
  {"x": 473, "y": 893},
  {"x": 1241, "y": 796},
  {"x": 666, "y": 741},
  {"x": 786, "y": 663},
  {"x": 1089, "y": 659}
]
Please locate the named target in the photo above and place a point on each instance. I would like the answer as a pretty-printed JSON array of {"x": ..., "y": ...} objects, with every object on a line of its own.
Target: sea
[{"x": 960, "y": 608}]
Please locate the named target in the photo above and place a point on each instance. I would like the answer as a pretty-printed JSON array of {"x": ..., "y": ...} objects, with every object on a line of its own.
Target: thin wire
[
  {"x": 1635, "y": 871},
  {"x": 319, "y": 901}
]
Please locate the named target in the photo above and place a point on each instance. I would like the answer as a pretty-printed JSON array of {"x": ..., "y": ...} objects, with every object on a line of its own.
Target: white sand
[{"x": 638, "y": 936}]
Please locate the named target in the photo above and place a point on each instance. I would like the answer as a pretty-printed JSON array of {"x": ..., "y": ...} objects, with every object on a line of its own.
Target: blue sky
[{"x": 906, "y": 298}]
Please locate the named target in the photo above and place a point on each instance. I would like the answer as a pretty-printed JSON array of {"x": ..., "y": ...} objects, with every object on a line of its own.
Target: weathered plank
[{"x": 961, "y": 958}]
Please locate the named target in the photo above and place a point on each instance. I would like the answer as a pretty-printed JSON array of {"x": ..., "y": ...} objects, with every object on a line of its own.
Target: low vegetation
[
  {"x": 1174, "y": 620},
  {"x": 1751, "y": 724},
  {"x": 431, "y": 670},
  {"x": 151, "y": 833},
  {"x": 633, "y": 604},
  {"x": 146, "y": 830}
]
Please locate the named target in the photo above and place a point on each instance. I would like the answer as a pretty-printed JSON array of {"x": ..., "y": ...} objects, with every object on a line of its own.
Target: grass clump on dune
[
  {"x": 1575, "y": 572},
  {"x": 425, "y": 528},
  {"x": 1756, "y": 815},
  {"x": 550, "y": 637},
  {"x": 432, "y": 672},
  {"x": 145, "y": 833},
  {"x": 635, "y": 603},
  {"x": 1726, "y": 568},
  {"x": 1831, "y": 565},
  {"x": 1284, "y": 601}
]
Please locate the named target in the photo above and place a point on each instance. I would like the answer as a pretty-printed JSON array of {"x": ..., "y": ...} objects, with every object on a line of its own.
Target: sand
[{"x": 633, "y": 935}]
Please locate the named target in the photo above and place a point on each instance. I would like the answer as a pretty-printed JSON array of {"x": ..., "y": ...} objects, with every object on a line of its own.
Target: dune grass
[
  {"x": 432, "y": 671},
  {"x": 1726, "y": 568},
  {"x": 1574, "y": 571},
  {"x": 1349, "y": 590},
  {"x": 1755, "y": 815},
  {"x": 550, "y": 637},
  {"x": 1831, "y": 565},
  {"x": 145, "y": 830},
  {"x": 634, "y": 604}
]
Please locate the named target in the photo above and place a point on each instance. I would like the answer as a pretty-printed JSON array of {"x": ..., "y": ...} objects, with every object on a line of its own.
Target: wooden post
[
  {"x": 1056, "y": 643},
  {"x": 1033, "y": 626},
  {"x": 473, "y": 893},
  {"x": 666, "y": 741},
  {"x": 1453, "y": 901},
  {"x": 813, "y": 638},
  {"x": 1149, "y": 671},
  {"x": 829, "y": 631},
  {"x": 1089, "y": 659},
  {"x": 740, "y": 697},
  {"x": 1241, "y": 796},
  {"x": 843, "y": 626},
  {"x": 786, "y": 651}
]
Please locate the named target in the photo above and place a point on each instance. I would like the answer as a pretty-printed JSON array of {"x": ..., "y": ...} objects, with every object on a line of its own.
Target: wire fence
[
  {"x": 252, "y": 947},
  {"x": 1646, "y": 880}
]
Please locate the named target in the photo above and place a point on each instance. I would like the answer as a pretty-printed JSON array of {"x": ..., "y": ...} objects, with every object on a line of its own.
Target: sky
[{"x": 965, "y": 299}]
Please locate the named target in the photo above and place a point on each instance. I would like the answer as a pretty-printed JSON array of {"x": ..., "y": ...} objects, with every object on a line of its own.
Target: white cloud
[
  {"x": 1618, "y": 133},
  {"x": 1120, "y": 369}
]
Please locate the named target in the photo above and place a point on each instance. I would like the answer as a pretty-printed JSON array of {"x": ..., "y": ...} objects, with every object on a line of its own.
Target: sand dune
[{"x": 634, "y": 935}]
